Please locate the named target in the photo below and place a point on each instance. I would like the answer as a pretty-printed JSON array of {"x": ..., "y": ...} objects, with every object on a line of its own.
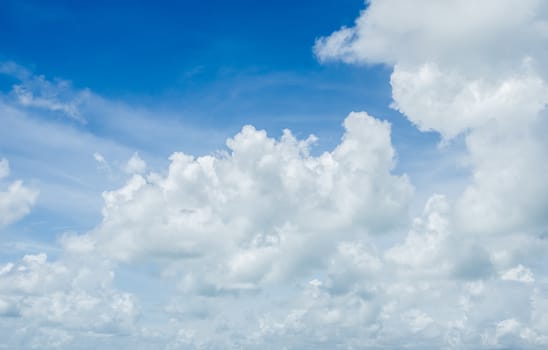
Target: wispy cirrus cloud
[{"x": 35, "y": 91}]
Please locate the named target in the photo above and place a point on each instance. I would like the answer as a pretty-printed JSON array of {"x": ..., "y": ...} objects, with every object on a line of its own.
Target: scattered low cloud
[
  {"x": 452, "y": 75},
  {"x": 16, "y": 200},
  {"x": 50, "y": 304}
]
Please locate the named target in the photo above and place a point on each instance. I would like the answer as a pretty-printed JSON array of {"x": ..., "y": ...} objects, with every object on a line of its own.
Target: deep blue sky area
[{"x": 148, "y": 47}]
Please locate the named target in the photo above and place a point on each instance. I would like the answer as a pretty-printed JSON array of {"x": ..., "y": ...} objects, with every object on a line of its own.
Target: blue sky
[
  {"x": 153, "y": 197},
  {"x": 180, "y": 38}
]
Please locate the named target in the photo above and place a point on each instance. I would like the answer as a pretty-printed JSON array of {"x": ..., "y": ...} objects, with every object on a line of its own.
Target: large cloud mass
[
  {"x": 465, "y": 67},
  {"x": 263, "y": 210}
]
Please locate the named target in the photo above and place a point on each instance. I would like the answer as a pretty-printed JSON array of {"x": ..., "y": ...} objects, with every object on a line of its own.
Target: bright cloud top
[{"x": 460, "y": 32}]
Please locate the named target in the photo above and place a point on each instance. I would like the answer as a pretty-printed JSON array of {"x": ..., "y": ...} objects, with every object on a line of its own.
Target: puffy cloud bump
[{"x": 17, "y": 200}]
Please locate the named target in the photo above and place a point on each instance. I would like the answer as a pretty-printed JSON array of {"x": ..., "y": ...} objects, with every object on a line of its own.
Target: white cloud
[
  {"x": 503, "y": 119},
  {"x": 265, "y": 199},
  {"x": 17, "y": 200},
  {"x": 450, "y": 102},
  {"x": 135, "y": 165},
  {"x": 459, "y": 32},
  {"x": 35, "y": 91},
  {"x": 519, "y": 274},
  {"x": 61, "y": 301},
  {"x": 99, "y": 158},
  {"x": 236, "y": 223},
  {"x": 417, "y": 320},
  {"x": 268, "y": 224}
]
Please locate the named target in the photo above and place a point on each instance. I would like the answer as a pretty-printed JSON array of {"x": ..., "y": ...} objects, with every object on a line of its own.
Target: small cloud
[
  {"x": 101, "y": 162},
  {"x": 17, "y": 200},
  {"x": 35, "y": 91},
  {"x": 99, "y": 157},
  {"x": 417, "y": 320},
  {"x": 519, "y": 274},
  {"x": 135, "y": 165}
]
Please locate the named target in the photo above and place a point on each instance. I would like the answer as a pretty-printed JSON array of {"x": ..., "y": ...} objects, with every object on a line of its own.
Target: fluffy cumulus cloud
[
  {"x": 457, "y": 32},
  {"x": 135, "y": 165},
  {"x": 266, "y": 208},
  {"x": 455, "y": 75},
  {"x": 16, "y": 200}
]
